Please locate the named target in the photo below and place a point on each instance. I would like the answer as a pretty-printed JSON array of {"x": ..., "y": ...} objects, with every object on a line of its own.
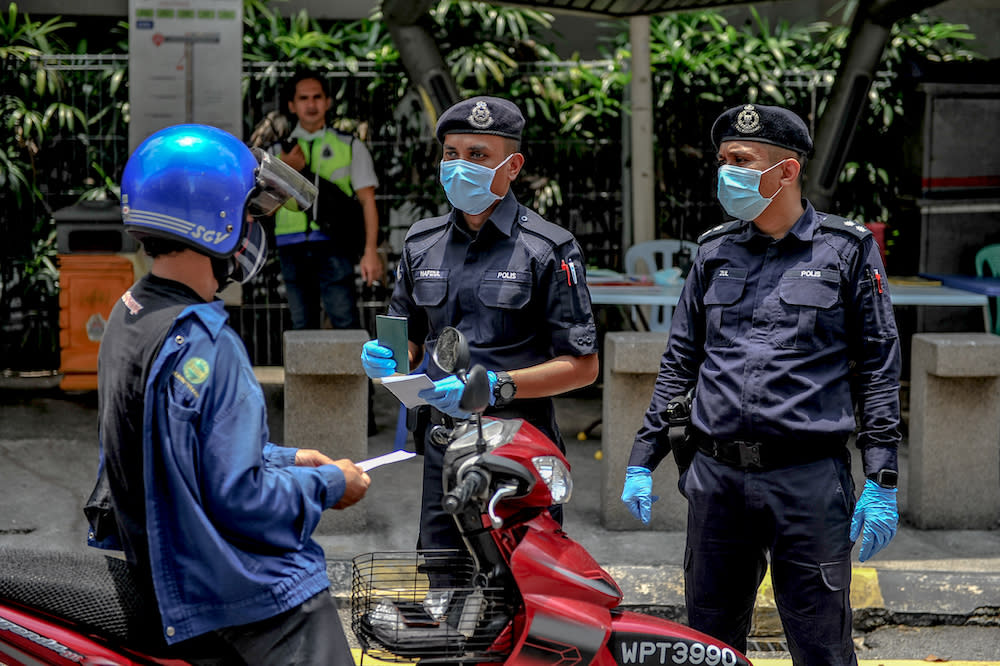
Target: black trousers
[
  {"x": 308, "y": 635},
  {"x": 800, "y": 517}
]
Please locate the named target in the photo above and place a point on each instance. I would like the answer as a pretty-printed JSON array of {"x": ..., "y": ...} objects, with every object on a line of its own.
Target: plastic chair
[
  {"x": 645, "y": 259},
  {"x": 989, "y": 258}
]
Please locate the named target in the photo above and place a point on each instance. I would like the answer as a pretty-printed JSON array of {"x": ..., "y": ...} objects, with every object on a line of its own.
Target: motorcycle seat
[{"x": 90, "y": 590}]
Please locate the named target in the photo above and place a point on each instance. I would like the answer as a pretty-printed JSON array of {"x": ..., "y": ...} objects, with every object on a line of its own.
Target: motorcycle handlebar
[{"x": 455, "y": 499}]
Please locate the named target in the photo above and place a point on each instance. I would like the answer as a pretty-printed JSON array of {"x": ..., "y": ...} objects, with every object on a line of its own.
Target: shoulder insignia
[
  {"x": 838, "y": 223},
  {"x": 720, "y": 230},
  {"x": 426, "y": 225},
  {"x": 535, "y": 223}
]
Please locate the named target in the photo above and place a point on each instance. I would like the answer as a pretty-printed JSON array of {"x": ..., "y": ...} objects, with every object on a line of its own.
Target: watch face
[
  {"x": 887, "y": 478},
  {"x": 507, "y": 391}
]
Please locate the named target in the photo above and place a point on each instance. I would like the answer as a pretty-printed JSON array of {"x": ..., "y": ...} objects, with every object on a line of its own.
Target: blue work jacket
[
  {"x": 228, "y": 516},
  {"x": 782, "y": 340}
]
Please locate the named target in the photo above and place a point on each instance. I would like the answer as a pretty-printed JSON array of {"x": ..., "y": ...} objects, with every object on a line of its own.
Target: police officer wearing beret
[
  {"x": 512, "y": 282},
  {"x": 783, "y": 331}
]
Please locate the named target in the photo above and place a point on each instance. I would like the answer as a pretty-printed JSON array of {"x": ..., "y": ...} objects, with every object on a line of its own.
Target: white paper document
[
  {"x": 406, "y": 388},
  {"x": 388, "y": 458}
]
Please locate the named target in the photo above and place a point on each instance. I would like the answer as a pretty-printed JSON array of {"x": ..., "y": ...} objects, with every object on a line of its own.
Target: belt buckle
[{"x": 750, "y": 455}]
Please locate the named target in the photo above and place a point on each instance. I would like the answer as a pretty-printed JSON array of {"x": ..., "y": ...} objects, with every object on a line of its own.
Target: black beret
[
  {"x": 765, "y": 124},
  {"x": 482, "y": 115}
]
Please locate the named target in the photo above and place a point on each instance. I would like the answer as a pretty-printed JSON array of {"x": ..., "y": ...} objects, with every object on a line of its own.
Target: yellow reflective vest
[{"x": 328, "y": 157}]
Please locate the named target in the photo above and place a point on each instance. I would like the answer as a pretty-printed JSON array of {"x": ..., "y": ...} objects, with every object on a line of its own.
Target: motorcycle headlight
[
  {"x": 556, "y": 476},
  {"x": 496, "y": 432}
]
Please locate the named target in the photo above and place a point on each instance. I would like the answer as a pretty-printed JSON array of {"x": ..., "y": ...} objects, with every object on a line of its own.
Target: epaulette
[
  {"x": 426, "y": 225},
  {"x": 535, "y": 223},
  {"x": 722, "y": 229},
  {"x": 842, "y": 224}
]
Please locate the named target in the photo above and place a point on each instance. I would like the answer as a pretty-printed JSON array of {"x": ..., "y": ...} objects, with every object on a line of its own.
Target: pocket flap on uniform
[
  {"x": 726, "y": 287},
  {"x": 836, "y": 575},
  {"x": 430, "y": 287},
  {"x": 813, "y": 287},
  {"x": 506, "y": 289}
]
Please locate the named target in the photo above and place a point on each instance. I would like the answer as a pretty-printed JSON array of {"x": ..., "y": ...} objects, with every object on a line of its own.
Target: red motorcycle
[
  {"x": 75, "y": 608},
  {"x": 525, "y": 593}
]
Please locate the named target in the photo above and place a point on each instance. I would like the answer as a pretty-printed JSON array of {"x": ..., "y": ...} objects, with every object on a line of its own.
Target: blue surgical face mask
[
  {"x": 467, "y": 184},
  {"x": 739, "y": 191}
]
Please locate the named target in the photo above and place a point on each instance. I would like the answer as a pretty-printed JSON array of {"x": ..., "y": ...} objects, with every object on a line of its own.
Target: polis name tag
[
  {"x": 513, "y": 276},
  {"x": 813, "y": 274}
]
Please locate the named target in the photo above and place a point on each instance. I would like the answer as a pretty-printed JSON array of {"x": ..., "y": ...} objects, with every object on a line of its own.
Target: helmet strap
[{"x": 222, "y": 269}]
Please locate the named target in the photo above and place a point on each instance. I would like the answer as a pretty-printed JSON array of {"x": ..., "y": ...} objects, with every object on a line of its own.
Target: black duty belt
[
  {"x": 440, "y": 418},
  {"x": 751, "y": 455}
]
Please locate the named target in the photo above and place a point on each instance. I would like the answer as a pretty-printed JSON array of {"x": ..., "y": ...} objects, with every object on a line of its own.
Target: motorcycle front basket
[{"x": 427, "y": 605}]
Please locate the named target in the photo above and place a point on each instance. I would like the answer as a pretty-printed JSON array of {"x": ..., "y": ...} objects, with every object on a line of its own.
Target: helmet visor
[
  {"x": 276, "y": 183},
  {"x": 250, "y": 255}
]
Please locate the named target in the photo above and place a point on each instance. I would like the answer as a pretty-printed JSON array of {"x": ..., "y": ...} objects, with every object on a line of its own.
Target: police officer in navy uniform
[
  {"x": 784, "y": 331},
  {"x": 512, "y": 282}
]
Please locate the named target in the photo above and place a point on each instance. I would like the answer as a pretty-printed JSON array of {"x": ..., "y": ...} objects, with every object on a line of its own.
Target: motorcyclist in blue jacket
[{"x": 215, "y": 520}]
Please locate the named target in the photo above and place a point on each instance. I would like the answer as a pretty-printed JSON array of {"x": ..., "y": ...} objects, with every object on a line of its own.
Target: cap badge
[
  {"x": 748, "y": 120},
  {"x": 480, "y": 118}
]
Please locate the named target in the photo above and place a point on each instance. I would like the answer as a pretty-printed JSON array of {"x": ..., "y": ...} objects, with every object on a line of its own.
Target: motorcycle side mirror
[
  {"x": 451, "y": 351},
  {"x": 476, "y": 396}
]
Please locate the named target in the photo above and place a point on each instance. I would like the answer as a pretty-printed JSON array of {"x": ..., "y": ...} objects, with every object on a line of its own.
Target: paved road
[{"x": 949, "y": 579}]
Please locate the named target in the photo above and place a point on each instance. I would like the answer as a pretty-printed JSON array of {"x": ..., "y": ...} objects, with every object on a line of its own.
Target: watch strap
[
  {"x": 504, "y": 389},
  {"x": 887, "y": 478}
]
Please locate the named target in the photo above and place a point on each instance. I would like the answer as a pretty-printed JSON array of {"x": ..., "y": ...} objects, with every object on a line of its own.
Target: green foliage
[
  {"x": 29, "y": 106},
  {"x": 710, "y": 64},
  {"x": 21, "y": 38},
  {"x": 701, "y": 64}
]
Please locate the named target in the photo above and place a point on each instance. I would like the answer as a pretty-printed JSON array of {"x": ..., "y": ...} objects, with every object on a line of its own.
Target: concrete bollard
[
  {"x": 326, "y": 405},
  {"x": 954, "y": 469},
  {"x": 631, "y": 362}
]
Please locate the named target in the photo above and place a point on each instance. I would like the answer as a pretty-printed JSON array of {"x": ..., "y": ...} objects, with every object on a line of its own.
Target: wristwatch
[
  {"x": 503, "y": 390},
  {"x": 887, "y": 478}
]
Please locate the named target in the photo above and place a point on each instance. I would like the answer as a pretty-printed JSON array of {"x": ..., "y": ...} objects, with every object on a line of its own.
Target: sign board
[{"x": 185, "y": 65}]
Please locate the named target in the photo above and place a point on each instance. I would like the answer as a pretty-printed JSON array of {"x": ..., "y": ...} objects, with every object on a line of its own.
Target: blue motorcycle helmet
[{"x": 203, "y": 187}]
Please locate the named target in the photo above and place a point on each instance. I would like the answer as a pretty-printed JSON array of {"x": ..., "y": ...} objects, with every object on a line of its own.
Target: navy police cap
[
  {"x": 482, "y": 115},
  {"x": 765, "y": 124}
]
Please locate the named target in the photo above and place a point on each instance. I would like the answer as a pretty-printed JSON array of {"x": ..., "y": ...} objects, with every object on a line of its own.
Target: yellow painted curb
[
  {"x": 879, "y": 662},
  {"x": 865, "y": 593},
  {"x": 374, "y": 662},
  {"x": 764, "y": 662},
  {"x": 865, "y": 590}
]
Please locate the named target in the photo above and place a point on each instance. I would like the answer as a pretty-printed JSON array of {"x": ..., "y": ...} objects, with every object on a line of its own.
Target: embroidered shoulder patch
[{"x": 196, "y": 370}]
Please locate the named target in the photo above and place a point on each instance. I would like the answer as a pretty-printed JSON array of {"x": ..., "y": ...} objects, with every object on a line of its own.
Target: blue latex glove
[
  {"x": 493, "y": 380},
  {"x": 377, "y": 360},
  {"x": 446, "y": 395},
  {"x": 875, "y": 519},
  {"x": 637, "y": 494}
]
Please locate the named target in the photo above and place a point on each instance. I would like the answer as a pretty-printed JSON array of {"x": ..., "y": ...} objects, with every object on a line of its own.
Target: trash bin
[{"x": 98, "y": 262}]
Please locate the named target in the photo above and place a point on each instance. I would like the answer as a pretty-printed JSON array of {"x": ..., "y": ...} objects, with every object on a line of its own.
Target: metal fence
[
  {"x": 375, "y": 104},
  {"x": 367, "y": 102}
]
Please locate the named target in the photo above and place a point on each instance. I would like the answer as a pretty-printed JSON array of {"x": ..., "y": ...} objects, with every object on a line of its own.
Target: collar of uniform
[
  {"x": 502, "y": 217},
  {"x": 299, "y": 133},
  {"x": 212, "y": 315},
  {"x": 805, "y": 227},
  {"x": 505, "y": 213}
]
